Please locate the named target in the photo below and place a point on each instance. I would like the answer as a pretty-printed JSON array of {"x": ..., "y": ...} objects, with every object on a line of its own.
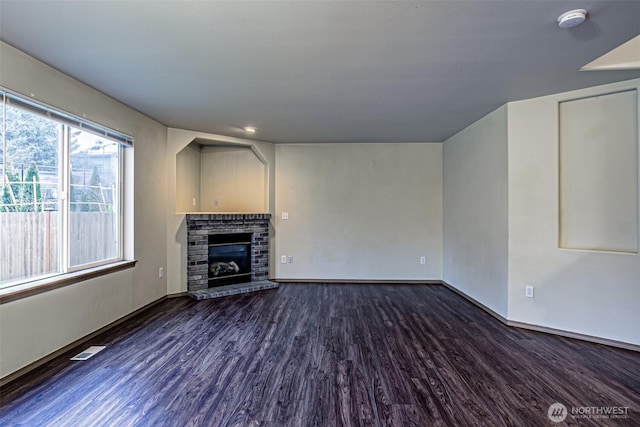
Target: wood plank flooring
[{"x": 325, "y": 355}]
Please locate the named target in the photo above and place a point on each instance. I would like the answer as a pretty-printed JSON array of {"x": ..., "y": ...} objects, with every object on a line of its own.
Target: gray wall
[
  {"x": 359, "y": 211},
  {"x": 475, "y": 211}
]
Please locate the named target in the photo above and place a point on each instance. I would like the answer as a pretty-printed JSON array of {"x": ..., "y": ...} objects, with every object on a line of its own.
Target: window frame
[
  {"x": 67, "y": 274},
  {"x": 66, "y": 217}
]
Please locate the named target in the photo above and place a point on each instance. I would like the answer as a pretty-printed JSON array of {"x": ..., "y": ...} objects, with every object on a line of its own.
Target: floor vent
[{"x": 90, "y": 352}]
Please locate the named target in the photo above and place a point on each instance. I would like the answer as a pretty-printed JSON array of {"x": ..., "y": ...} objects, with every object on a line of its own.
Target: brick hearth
[{"x": 200, "y": 226}]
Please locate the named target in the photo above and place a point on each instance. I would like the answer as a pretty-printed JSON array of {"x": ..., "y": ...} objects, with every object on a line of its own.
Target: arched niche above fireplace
[{"x": 212, "y": 176}]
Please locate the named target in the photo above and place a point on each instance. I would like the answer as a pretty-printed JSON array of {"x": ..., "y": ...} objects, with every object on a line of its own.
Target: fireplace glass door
[{"x": 229, "y": 259}]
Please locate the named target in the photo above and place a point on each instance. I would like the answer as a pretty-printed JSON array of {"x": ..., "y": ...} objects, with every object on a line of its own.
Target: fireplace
[
  {"x": 227, "y": 250},
  {"x": 229, "y": 259}
]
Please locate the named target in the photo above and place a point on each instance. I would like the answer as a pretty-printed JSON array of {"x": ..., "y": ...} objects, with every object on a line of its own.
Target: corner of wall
[
  {"x": 475, "y": 241},
  {"x": 587, "y": 292}
]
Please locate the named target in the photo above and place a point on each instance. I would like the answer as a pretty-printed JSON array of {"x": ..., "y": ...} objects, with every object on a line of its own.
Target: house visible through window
[{"x": 61, "y": 200}]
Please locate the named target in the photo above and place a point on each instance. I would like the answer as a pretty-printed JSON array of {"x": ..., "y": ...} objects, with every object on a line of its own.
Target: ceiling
[{"x": 324, "y": 71}]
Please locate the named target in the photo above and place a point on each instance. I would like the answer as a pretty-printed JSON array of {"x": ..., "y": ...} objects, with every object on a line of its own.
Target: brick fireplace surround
[{"x": 200, "y": 226}]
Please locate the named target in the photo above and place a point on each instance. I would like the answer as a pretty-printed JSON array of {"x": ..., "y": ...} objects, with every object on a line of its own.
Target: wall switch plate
[
  {"x": 528, "y": 291},
  {"x": 161, "y": 272},
  {"x": 194, "y": 201},
  {"x": 423, "y": 260},
  {"x": 285, "y": 215},
  {"x": 283, "y": 259},
  {"x": 290, "y": 259}
]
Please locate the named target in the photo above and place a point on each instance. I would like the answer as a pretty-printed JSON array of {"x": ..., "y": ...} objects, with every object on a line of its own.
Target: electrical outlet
[
  {"x": 194, "y": 201},
  {"x": 216, "y": 202},
  {"x": 161, "y": 272},
  {"x": 285, "y": 215},
  {"x": 528, "y": 291},
  {"x": 283, "y": 259},
  {"x": 290, "y": 259},
  {"x": 423, "y": 260}
]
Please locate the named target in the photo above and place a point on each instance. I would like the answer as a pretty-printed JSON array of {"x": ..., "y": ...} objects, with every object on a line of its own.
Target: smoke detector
[{"x": 572, "y": 18}]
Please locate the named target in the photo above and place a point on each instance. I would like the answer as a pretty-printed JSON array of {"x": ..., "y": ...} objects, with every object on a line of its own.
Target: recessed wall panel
[
  {"x": 232, "y": 179},
  {"x": 598, "y": 139}
]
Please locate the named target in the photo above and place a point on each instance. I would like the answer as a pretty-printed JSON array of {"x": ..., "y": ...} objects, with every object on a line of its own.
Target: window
[{"x": 61, "y": 200}]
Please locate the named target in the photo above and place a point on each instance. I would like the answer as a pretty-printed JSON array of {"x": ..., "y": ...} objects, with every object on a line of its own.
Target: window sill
[{"x": 13, "y": 293}]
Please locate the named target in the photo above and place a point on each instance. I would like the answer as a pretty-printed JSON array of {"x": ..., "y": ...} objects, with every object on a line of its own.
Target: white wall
[
  {"x": 188, "y": 163},
  {"x": 598, "y": 145},
  {"x": 475, "y": 211},
  {"x": 176, "y": 232},
  {"x": 588, "y": 292},
  {"x": 515, "y": 150},
  {"x": 34, "y": 327},
  {"x": 232, "y": 179},
  {"x": 359, "y": 211}
]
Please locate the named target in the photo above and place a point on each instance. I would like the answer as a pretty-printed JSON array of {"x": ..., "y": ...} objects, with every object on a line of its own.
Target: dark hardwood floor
[{"x": 325, "y": 355}]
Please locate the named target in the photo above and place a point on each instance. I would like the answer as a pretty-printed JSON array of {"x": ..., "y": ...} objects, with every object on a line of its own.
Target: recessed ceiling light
[
  {"x": 250, "y": 129},
  {"x": 572, "y": 18}
]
